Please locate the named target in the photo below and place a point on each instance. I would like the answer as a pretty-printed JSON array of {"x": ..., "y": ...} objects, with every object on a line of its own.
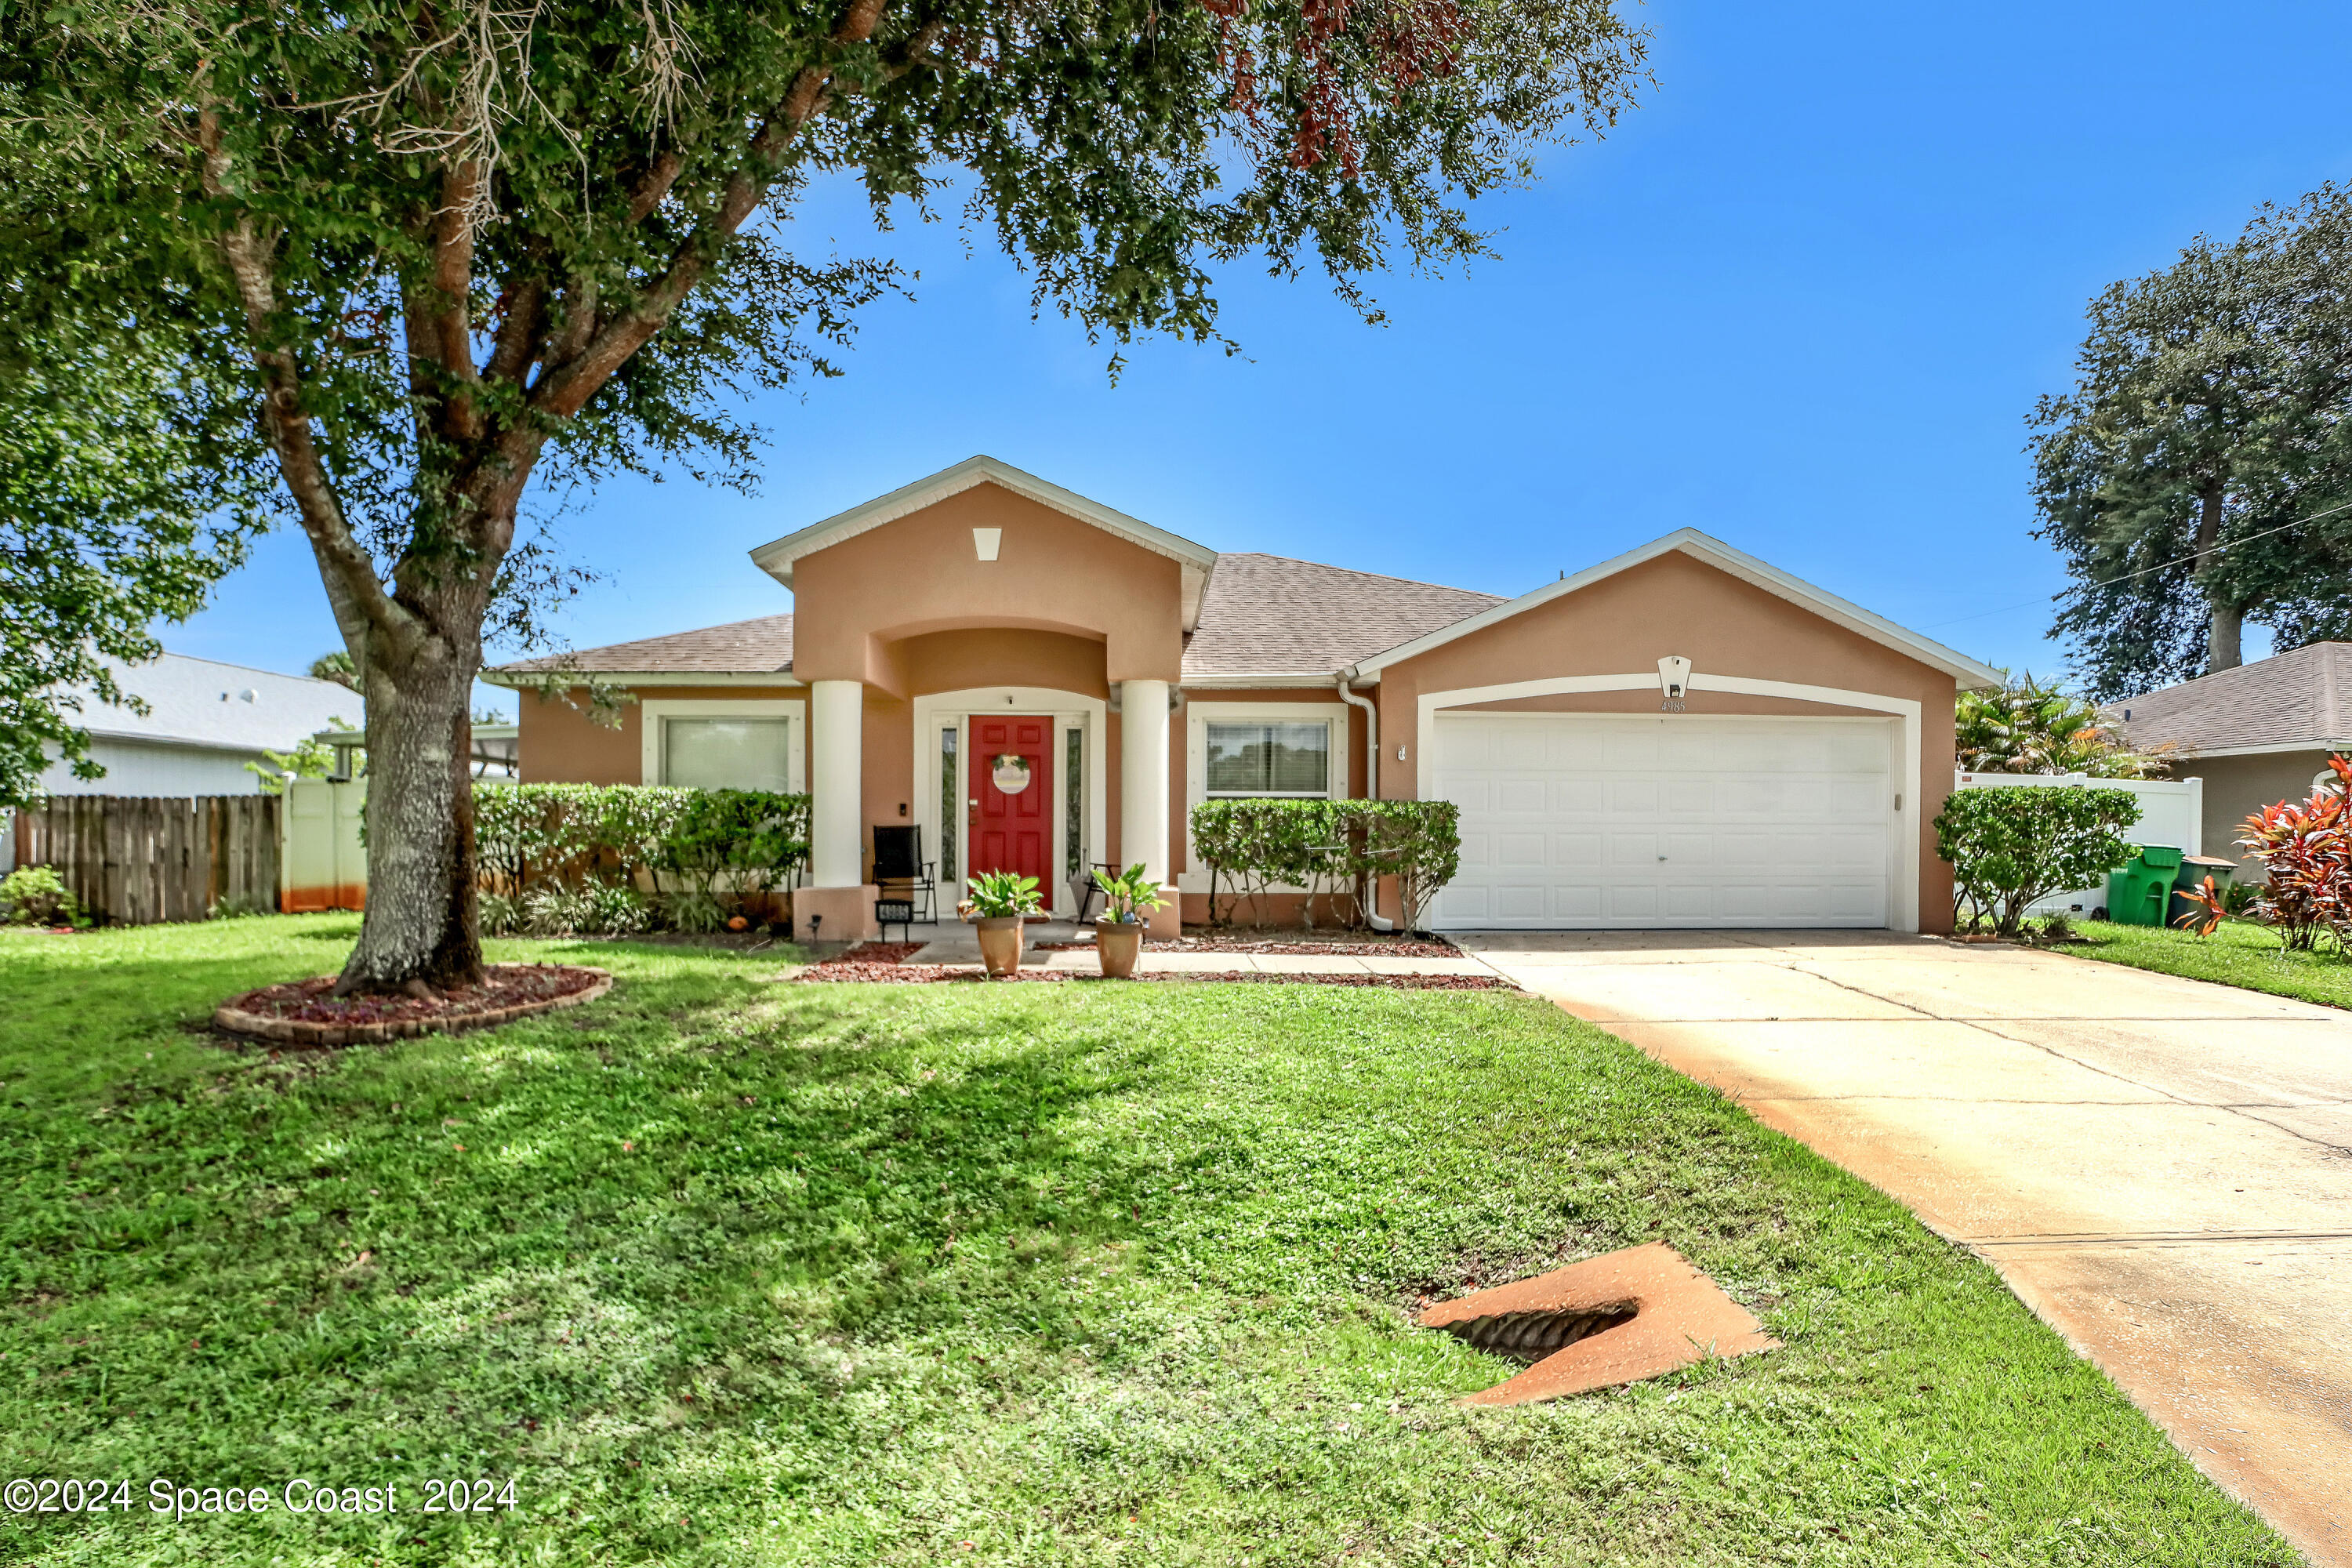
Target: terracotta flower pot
[
  {"x": 1000, "y": 944},
  {"x": 1117, "y": 943}
]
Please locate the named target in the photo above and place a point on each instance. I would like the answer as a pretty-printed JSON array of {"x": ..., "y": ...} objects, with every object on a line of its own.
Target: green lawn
[
  {"x": 2236, "y": 954},
  {"x": 717, "y": 1271}
]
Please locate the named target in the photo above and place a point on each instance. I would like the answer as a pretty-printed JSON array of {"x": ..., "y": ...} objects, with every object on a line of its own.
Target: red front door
[{"x": 1013, "y": 786}]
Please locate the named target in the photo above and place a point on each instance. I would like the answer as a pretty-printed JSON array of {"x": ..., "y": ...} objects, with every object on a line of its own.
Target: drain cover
[{"x": 1614, "y": 1319}]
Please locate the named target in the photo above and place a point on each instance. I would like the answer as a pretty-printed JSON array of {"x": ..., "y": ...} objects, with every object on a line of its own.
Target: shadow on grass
[{"x": 602, "y": 1250}]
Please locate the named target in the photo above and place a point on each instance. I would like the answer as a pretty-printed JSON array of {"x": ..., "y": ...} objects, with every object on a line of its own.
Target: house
[
  {"x": 205, "y": 721},
  {"x": 1682, "y": 736},
  {"x": 2257, "y": 734}
]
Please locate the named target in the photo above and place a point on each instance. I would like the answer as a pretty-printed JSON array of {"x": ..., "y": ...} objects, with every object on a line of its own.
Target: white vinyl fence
[{"x": 2171, "y": 812}]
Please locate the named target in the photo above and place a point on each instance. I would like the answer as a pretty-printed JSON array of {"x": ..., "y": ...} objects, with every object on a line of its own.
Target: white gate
[{"x": 325, "y": 863}]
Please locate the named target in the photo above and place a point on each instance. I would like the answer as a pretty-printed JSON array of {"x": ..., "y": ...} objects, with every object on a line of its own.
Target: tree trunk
[
  {"x": 2225, "y": 636},
  {"x": 420, "y": 925},
  {"x": 2224, "y": 642}
]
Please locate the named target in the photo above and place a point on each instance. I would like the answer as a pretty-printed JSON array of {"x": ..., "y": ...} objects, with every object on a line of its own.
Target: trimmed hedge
[
  {"x": 554, "y": 857},
  {"x": 2010, "y": 847},
  {"x": 1327, "y": 848}
]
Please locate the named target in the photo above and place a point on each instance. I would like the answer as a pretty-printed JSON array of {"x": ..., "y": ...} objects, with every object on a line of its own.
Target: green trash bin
[
  {"x": 2141, "y": 893},
  {"x": 2194, "y": 870}
]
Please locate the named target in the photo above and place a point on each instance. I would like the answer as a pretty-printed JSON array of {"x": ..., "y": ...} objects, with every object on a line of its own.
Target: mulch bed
[
  {"x": 1293, "y": 942},
  {"x": 306, "y": 1012},
  {"x": 882, "y": 964}
]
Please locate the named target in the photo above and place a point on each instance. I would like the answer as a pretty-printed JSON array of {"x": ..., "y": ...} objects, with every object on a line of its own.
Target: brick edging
[{"x": 309, "y": 1032}]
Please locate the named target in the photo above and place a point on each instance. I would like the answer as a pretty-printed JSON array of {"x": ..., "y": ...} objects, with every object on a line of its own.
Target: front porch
[{"x": 1045, "y": 782}]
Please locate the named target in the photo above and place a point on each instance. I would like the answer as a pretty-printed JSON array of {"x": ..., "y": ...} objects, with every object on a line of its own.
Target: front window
[
  {"x": 727, "y": 753},
  {"x": 1249, "y": 759}
]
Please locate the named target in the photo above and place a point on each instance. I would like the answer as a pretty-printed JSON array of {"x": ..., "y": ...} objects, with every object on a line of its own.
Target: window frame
[
  {"x": 1262, "y": 721},
  {"x": 654, "y": 713},
  {"x": 1197, "y": 718}
]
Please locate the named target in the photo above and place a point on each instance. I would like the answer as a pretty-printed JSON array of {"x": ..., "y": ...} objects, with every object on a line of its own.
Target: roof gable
[
  {"x": 1709, "y": 551},
  {"x": 778, "y": 556}
]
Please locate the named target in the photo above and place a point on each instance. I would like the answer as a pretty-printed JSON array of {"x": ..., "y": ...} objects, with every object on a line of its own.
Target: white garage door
[{"x": 1569, "y": 820}]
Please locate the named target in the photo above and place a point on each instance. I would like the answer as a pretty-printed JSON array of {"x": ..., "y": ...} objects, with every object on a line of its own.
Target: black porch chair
[
  {"x": 902, "y": 878},
  {"x": 1083, "y": 889}
]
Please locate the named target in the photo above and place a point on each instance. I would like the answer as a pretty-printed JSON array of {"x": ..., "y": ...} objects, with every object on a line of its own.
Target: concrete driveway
[{"x": 2161, "y": 1168}]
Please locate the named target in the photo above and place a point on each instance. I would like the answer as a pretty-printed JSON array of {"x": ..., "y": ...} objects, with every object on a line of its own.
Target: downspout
[{"x": 1371, "y": 778}]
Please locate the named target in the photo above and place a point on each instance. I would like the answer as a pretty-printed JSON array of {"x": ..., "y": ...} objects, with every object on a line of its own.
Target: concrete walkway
[
  {"x": 958, "y": 945},
  {"x": 2161, "y": 1168}
]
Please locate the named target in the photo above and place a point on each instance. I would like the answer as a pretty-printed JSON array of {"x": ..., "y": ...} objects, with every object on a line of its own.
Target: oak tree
[
  {"x": 460, "y": 248},
  {"x": 2185, "y": 476}
]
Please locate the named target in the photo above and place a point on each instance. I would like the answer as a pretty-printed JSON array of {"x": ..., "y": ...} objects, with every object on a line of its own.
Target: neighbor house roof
[
  {"x": 2294, "y": 701},
  {"x": 1196, "y": 561},
  {"x": 1270, "y": 616},
  {"x": 231, "y": 707},
  {"x": 762, "y": 648},
  {"x": 1970, "y": 674}
]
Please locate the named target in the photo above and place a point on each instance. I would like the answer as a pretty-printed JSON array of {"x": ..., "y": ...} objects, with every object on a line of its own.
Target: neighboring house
[
  {"x": 1041, "y": 683},
  {"x": 2257, "y": 734},
  {"x": 204, "y": 722}
]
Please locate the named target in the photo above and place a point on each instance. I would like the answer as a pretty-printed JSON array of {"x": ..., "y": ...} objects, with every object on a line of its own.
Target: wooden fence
[{"x": 140, "y": 859}]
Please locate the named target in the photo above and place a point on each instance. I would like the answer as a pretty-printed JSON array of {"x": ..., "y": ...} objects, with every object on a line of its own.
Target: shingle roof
[
  {"x": 762, "y": 647},
  {"x": 1264, "y": 615},
  {"x": 1268, "y": 614},
  {"x": 2299, "y": 698}
]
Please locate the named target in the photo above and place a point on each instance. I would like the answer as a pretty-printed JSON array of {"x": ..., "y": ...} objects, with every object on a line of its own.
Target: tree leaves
[{"x": 2185, "y": 475}]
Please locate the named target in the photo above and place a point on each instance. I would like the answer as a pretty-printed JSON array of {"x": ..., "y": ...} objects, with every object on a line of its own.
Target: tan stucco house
[
  {"x": 2257, "y": 734},
  {"x": 1682, "y": 736}
]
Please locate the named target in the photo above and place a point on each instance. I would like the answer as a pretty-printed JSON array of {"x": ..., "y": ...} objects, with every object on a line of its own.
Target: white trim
[
  {"x": 778, "y": 556},
  {"x": 1197, "y": 719},
  {"x": 528, "y": 681},
  {"x": 654, "y": 709},
  {"x": 1305, "y": 679},
  {"x": 1690, "y": 542},
  {"x": 1069, "y": 710},
  {"x": 1199, "y": 716},
  {"x": 1903, "y": 823}
]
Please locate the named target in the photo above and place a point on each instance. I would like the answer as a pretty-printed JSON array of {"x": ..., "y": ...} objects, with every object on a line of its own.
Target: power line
[{"x": 2165, "y": 566}]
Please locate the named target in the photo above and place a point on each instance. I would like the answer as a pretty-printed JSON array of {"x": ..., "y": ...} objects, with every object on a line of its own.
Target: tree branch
[
  {"x": 573, "y": 380},
  {"x": 647, "y": 193},
  {"x": 520, "y": 334},
  {"x": 357, "y": 594}
]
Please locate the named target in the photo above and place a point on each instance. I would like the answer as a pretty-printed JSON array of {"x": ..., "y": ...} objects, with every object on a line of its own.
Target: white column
[
  {"x": 1143, "y": 776},
  {"x": 836, "y": 786}
]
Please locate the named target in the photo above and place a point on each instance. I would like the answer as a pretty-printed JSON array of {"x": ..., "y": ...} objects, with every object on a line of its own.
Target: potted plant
[
  {"x": 1000, "y": 901},
  {"x": 1119, "y": 934}
]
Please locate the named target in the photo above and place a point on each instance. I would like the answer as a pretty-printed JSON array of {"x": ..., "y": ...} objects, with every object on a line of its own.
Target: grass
[
  {"x": 718, "y": 1271},
  {"x": 2235, "y": 954}
]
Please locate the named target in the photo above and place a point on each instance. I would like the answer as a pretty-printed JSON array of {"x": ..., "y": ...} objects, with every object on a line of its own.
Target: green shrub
[
  {"x": 572, "y": 857},
  {"x": 600, "y": 909},
  {"x": 1327, "y": 848},
  {"x": 37, "y": 896},
  {"x": 498, "y": 914},
  {"x": 2010, "y": 847}
]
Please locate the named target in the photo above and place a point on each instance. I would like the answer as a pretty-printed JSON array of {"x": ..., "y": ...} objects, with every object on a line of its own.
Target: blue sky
[{"x": 1802, "y": 298}]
